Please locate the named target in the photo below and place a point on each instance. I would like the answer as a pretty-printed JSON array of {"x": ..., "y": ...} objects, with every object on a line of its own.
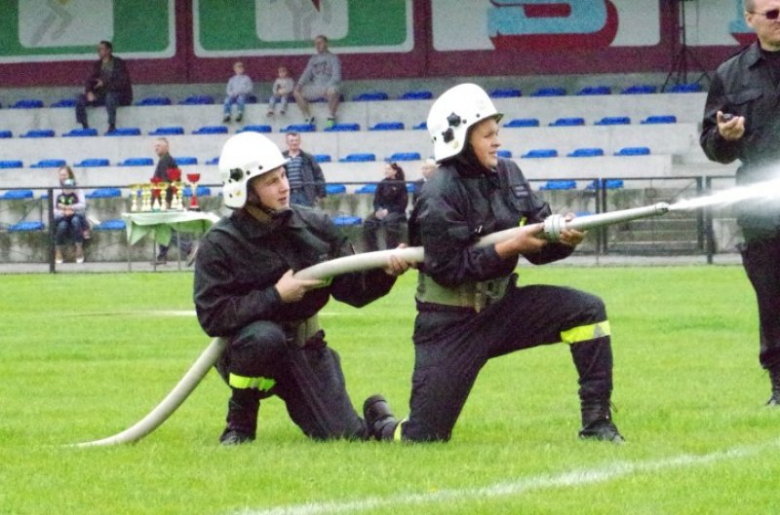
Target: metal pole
[{"x": 52, "y": 229}]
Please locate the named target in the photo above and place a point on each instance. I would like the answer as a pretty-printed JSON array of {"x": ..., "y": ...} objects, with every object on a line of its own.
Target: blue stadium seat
[
  {"x": 422, "y": 94},
  {"x": 202, "y": 191},
  {"x": 506, "y": 154},
  {"x": 335, "y": 189},
  {"x": 693, "y": 87},
  {"x": 6, "y": 134},
  {"x": 211, "y": 129},
  {"x": 251, "y": 99},
  {"x": 586, "y": 152},
  {"x": 154, "y": 101},
  {"x": 38, "y": 133},
  {"x": 92, "y": 162},
  {"x": 595, "y": 90},
  {"x": 213, "y": 161},
  {"x": 187, "y": 160},
  {"x": 522, "y": 122},
  {"x": 614, "y": 120},
  {"x": 197, "y": 100},
  {"x": 538, "y": 153},
  {"x": 104, "y": 193},
  {"x": 633, "y": 151},
  {"x": 639, "y": 89},
  {"x": 358, "y": 158},
  {"x": 49, "y": 163},
  {"x": 299, "y": 127},
  {"x": 111, "y": 225},
  {"x": 81, "y": 133},
  {"x": 505, "y": 93},
  {"x": 366, "y": 189},
  {"x": 172, "y": 130},
  {"x": 559, "y": 185},
  {"x": 255, "y": 128},
  {"x": 27, "y": 103},
  {"x": 17, "y": 195},
  {"x": 65, "y": 102},
  {"x": 568, "y": 122},
  {"x": 404, "y": 156},
  {"x": 322, "y": 158},
  {"x": 665, "y": 118},
  {"x": 422, "y": 126},
  {"x": 29, "y": 226},
  {"x": 125, "y": 131},
  {"x": 387, "y": 126},
  {"x": 343, "y": 127},
  {"x": 137, "y": 161},
  {"x": 347, "y": 220},
  {"x": 11, "y": 163},
  {"x": 607, "y": 184},
  {"x": 371, "y": 96},
  {"x": 549, "y": 92}
]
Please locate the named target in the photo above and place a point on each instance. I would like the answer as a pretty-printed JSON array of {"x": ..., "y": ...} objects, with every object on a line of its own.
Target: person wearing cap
[
  {"x": 469, "y": 309},
  {"x": 245, "y": 290}
]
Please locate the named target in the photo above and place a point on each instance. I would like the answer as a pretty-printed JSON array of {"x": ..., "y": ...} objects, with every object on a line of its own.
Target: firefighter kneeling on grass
[
  {"x": 245, "y": 291},
  {"x": 469, "y": 309}
]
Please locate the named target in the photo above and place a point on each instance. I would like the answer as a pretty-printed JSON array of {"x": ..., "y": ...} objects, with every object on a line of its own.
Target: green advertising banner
[
  {"x": 66, "y": 30},
  {"x": 274, "y": 27}
]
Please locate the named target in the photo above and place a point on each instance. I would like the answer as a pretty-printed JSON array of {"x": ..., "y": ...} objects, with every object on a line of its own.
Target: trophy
[
  {"x": 156, "y": 197},
  {"x": 133, "y": 198},
  {"x": 146, "y": 198},
  {"x": 193, "y": 179},
  {"x": 162, "y": 194},
  {"x": 174, "y": 176}
]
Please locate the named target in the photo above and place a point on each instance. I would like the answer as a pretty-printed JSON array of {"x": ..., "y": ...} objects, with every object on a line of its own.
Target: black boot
[
  {"x": 379, "y": 419},
  {"x": 597, "y": 423},
  {"x": 593, "y": 359},
  {"x": 774, "y": 375},
  {"x": 241, "y": 418}
]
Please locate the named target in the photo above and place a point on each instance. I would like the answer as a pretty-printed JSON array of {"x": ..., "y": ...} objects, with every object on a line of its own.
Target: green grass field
[{"x": 86, "y": 356}]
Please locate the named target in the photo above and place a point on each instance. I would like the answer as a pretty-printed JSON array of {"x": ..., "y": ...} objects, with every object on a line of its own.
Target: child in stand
[
  {"x": 239, "y": 87},
  {"x": 69, "y": 220},
  {"x": 281, "y": 91}
]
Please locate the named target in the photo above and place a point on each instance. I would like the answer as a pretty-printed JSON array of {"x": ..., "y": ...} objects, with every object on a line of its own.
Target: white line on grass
[{"x": 517, "y": 487}]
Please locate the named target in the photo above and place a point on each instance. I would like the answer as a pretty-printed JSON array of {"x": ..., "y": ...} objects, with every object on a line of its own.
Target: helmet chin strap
[{"x": 263, "y": 212}]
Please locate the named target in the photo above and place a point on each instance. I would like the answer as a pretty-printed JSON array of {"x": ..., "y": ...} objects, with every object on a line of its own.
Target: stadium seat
[
  {"x": 404, "y": 156},
  {"x": 137, "y": 161},
  {"x": 27, "y": 103},
  {"x": 568, "y": 122},
  {"x": 505, "y": 93},
  {"x": 202, "y": 191},
  {"x": 251, "y": 99},
  {"x": 387, "y": 126},
  {"x": 211, "y": 129},
  {"x": 197, "y": 100},
  {"x": 49, "y": 163},
  {"x": 541, "y": 153},
  {"x": 92, "y": 162},
  {"x": 667, "y": 118},
  {"x": 154, "y": 101},
  {"x": 6, "y": 134},
  {"x": 299, "y": 127},
  {"x": 38, "y": 133},
  {"x": 607, "y": 184},
  {"x": 371, "y": 96},
  {"x": 125, "y": 131},
  {"x": 522, "y": 122},
  {"x": 422, "y": 126},
  {"x": 559, "y": 185},
  {"x": 549, "y": 92},
  {"x": 255, "y": 128},
  {"x": 28, "y": 226},
  {"x": 506, "y": 154},
  {"x": 11, "y": 163},
  {"x": 335, "y": 189},
  {"x": 65, "y": 102},
  {"x": 104, "y": 193},
  {"x": 594, "y": 90},
  {"x": 358, "y": 158},
  {"x": 422, "y": 94},
  {"x": 586, "y": 152},
  {"x": 614, "y": 120},
  {"x": 17, "y": 195},
  {"x": 81, "y": 133},
  {"x": 111, "y": 225},
  {"x": 343, "y": 127},
  {"x": 347, "y": 220},
  {"x": 366, "y": 189},
  {"x": 633, "y": 151},
  {"x": 173, "y": 130},
  {"x": 693, "y": 87},
  {"x": 213, "y": 161},
  {"x": 188, "y": 160},
  {"x": 639, "y": 89},
  {"x": 322, "y": 158}
]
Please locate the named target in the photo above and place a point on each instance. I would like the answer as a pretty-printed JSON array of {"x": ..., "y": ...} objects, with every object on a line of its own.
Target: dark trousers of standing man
[
  {"x": 262, "y": 360},
  {"x": 110, "y": 100},
  {"x": 452, "y": 346},
  {"x": 761, "y": 259}
]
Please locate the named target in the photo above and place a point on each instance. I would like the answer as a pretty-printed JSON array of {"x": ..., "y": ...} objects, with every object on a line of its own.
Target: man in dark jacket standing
[
  {"x": 307, "y": 183},
  {"x": 245, "y": 290},
  {"x": 108, "y": 84},
  {"x": 741, "y": 122}
]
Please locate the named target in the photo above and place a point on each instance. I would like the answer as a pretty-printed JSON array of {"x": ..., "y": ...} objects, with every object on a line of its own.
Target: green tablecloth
[{"x": 159, "y": 224}]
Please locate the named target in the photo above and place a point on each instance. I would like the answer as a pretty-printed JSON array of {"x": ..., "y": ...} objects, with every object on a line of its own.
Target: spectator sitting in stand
[
  {"x": 239, "y": 87},
  {"x": 389, "y": 209},
  {"x": 281, "y": 91},
  {"x": 69, "y": 216},
  {"x": 320, "y": 79},
  {"x": 108, "y": 84}
]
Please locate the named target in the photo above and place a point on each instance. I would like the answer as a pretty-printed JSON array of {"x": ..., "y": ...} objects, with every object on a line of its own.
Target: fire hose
[{"x": 553, "y": 226}]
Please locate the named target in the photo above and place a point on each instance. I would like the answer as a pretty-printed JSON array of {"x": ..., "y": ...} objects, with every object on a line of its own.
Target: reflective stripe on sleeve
[
  {"x": 586, "y": 332},
  {"x": 244, "y": 382}
]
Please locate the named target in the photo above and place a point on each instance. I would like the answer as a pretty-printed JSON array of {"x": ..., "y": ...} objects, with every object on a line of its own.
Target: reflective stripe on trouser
[
  {"x": 586, "y": 332},
  {"x": 243, "y": 383}
]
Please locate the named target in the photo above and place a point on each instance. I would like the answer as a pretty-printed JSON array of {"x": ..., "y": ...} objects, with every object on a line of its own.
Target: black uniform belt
[
  {"x": 475, "y": 295},
  {"x": 300, "y": 332}
]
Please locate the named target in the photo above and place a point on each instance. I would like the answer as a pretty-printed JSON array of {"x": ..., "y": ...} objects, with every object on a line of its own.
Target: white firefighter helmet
[
  {"x": 453, "y": 113},
  {"x": 245, "y": 156}
]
